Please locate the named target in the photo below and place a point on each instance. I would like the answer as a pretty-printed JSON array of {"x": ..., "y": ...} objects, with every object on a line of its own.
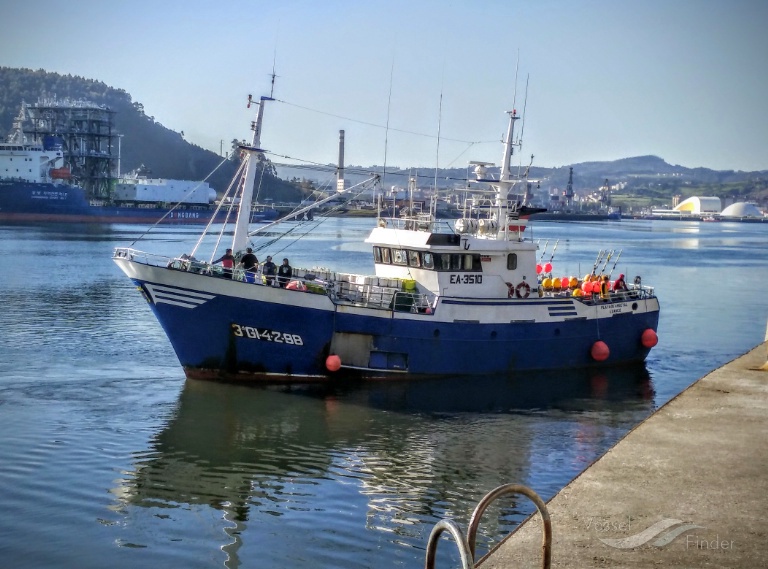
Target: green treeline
[
  {"x": 144, "y": 140},
  {"x": 646, "y": 181}
]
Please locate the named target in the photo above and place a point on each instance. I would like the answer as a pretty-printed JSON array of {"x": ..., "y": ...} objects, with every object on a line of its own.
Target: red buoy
[
  {"x": 649, "y": 338},
  {"x": 539, "y": 268},
  {"x": 548, "y": 268},
  {"x": 333, "y": 362},
  {"x": 600, "y": 351}
]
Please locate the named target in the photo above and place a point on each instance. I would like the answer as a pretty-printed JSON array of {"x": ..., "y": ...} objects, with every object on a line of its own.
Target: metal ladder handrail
[
  {"x": 467, "y": 561},
  {"x": 474, "y": 520}
]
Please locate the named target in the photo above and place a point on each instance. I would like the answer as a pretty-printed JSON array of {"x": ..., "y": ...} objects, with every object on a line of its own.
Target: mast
[
  {"x": 509, "y": 147},
  {"x": 252, "y": 153},
  {"x": 340, "y": 167}
]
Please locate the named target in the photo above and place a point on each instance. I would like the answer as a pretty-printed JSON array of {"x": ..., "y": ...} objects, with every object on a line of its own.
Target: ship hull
[
  {"x": 30, "y": 202},
  {"x": 233, "y": 331}
]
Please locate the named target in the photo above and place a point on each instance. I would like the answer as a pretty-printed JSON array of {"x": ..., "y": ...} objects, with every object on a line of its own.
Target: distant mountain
[
  {"x": 145, "y": 141},
  {"x": 165, "y": 152},
  {"x": 587, "y": 175}
]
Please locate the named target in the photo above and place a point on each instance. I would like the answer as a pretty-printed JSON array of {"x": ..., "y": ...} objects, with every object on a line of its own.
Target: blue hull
[
  {"x": 236, "y": 335},
  {"x": 44, "y": 202}
]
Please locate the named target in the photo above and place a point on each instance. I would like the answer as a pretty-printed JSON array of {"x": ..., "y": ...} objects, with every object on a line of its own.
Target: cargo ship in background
[{"x": 58, "y": 163}]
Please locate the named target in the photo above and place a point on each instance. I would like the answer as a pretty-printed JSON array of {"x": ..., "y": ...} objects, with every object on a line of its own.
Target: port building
[{"x": 700, "y": 205}]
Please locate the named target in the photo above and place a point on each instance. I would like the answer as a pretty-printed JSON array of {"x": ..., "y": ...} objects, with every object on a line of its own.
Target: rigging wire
[
  {"x": 177, "y": 204},
  {"x": 308, "y": 225},
  {"x": 235, "y": 178},
  {"x": 382, "y": 126}
]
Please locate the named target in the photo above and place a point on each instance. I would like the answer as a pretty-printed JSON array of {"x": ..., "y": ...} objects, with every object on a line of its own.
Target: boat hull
[
  {"x": 46, "y": 202},
  {"x": 234, "y": 331}
]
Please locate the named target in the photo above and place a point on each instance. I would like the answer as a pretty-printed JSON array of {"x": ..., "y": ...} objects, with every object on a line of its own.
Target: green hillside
[
  {"x": 145, "y": 141},
  {"x": 646, "y": 180}
]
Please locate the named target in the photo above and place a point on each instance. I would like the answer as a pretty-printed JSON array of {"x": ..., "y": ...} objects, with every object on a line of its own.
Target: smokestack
[{"x": 340, "y": 168}]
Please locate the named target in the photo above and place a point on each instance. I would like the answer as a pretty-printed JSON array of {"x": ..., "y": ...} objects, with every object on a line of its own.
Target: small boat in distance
[{"x": 465, "y": 297}]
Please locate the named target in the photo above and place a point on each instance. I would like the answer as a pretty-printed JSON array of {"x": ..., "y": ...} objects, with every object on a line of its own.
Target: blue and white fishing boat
[{"x": 459, "y": 298}]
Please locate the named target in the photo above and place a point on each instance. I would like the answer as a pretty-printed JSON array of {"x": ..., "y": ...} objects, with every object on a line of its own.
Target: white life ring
[{"x": 523, "y": 286}]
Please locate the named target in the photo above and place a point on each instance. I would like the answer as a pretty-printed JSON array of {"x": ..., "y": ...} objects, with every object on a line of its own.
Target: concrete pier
[{"x": 686, "y": 488}]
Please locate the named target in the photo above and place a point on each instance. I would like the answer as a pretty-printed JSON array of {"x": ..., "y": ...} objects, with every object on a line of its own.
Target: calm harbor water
[{"x": 110, "y": 457}]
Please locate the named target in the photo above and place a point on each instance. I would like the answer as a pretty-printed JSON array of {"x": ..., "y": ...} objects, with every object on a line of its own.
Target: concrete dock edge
[{"x": 687, "y": 487}]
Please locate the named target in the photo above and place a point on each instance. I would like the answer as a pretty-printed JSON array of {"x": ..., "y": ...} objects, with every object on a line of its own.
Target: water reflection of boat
[
  {"x": 470, "y": 394},
  {"x": 260, "y": 454}
]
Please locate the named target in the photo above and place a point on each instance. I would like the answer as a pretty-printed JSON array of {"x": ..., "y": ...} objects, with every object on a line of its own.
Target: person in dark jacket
[
  {"x": 284, "y": 273},
  {"x": 269, "y": 269},
  {"x": 249, "y": 264}
]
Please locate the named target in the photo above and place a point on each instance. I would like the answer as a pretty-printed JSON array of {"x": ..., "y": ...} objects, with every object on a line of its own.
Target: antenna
[
  {"x": 439, "y": 124},
  {"x": 517, "y": 67},
  {"x": 386, "y": 132},
  {"x": 272, "y": 86},
  {"x": 274, "y": 63},
  {"x": 525, "y": 105}
]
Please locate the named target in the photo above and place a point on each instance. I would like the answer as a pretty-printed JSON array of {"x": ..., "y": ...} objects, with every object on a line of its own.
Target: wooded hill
[
  {"x": 167, "y": 155},
  {"x": 145, "y": 141}
]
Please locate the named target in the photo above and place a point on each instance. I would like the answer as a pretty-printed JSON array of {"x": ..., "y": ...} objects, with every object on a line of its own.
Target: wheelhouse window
[
  {"x": 511, "y": 261},
  {"x": 399, "y": 257},
  {"x": 458, "y": 262},
  {"x": 431, "y": 261}
]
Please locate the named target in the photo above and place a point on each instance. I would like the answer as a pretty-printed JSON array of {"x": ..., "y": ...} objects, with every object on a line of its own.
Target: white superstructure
[
  {"x": 164, "y": 190},
  {"x": 28, "y": 162}
]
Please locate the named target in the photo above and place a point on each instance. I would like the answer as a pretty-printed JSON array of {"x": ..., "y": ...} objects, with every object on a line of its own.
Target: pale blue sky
[{"x": 686, "y": 80}]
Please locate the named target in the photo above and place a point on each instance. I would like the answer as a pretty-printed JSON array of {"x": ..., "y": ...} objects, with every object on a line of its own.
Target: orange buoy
[
  {"x": 649, "y": 338},
  {"x": 556, "y": 283},
  {"x": 333, "y": 362},
  {"x": 296, "y": 285},
  {"x": 600, "y": 351}
]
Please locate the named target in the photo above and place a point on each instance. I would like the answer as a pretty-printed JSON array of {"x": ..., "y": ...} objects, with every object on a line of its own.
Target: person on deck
[
  {"x": 249, "y": 264},
  {"x": 284, "y": 273},
  {"x": 227, "y": 261},
  {"x": 619, "y": 284},
  {"x": 269, "y": 269},
  {"x": 605, "y": 288}
]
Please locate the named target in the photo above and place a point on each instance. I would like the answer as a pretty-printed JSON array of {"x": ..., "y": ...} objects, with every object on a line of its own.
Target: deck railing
[{"x": 342, "y": 288}]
